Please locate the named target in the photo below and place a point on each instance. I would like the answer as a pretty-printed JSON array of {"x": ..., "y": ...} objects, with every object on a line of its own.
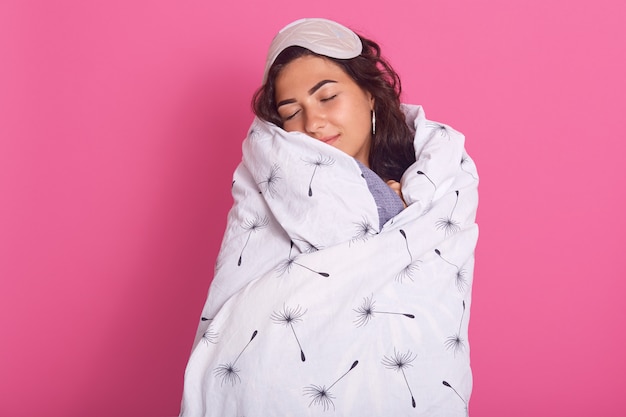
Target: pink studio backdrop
[{"x": 121, "y": 124}]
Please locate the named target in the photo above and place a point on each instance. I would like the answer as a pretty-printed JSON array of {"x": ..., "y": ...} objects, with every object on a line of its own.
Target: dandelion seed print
[
  {"x": 286, "y": 265},
  {"x": 210, "y": 335},
  {"x": 406, "y": 243},
  {"x": 252, "y": 226},
  {"x": 288, "y": 316},
  {"x": 399, "y": 362},
  {"x": 447, "y": 224},
  {"x": 253, "y": 134},
  {"x": 228, "y": 371},
  {"x": 365, "y": 312},
  {"x": 455, "y": 342},
  {"x": 310, "y": 247},
  {"x": 458, "y": 395},
  {"x": 409, "y": 270},
  {"x": 427, "y": 177},
  {"x": 268, "y": 185},
  {"x": 364, "y": 230},
  {"x": 464, "y": 161},
  {"x": 321, "y": 395},
  {"x": 439, "y": 129},
  {"x": 320, "y": 162},
  {"x": 459, "y": 279}
]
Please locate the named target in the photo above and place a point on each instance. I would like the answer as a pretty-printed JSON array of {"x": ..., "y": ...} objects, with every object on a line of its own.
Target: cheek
[
  {"x": 292, "y": 126},
  {"x": 363, "y": 120},
  {"x": 356, "y": 116}
]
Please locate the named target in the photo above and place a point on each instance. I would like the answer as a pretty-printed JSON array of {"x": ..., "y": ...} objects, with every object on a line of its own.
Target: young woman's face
[{"x": 315, "y": 96}]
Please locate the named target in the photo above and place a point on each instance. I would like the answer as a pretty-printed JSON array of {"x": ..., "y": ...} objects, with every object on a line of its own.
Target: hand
[{"x": 397, "y": 187}]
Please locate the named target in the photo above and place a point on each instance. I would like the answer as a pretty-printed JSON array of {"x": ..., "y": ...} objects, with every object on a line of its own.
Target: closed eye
[
  {"x": 328, "y": 98},
  {"x": 291, "y": 116}
]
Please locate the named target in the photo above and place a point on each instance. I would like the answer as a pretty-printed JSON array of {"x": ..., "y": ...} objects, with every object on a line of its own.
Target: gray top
[{"x": 388, "y": 202}]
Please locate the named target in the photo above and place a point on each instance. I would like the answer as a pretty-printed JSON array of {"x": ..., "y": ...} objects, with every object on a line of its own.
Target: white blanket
[{"x": 314, "y": 311}]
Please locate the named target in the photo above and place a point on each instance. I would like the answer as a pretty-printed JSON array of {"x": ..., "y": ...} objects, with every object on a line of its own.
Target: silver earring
[{"x": 373, "y": 122}]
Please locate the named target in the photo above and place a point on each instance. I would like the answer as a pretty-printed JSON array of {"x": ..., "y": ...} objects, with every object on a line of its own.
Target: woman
[
  {"x": 344, "y": 278},
  {"x": 372, "y": 88}
]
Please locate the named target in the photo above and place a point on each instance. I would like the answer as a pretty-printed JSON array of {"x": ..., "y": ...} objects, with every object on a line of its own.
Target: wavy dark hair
[{"x": 391, "y": 151}]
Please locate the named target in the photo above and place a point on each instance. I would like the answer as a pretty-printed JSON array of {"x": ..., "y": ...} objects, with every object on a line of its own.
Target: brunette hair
[{"x": 391, "y": 151}]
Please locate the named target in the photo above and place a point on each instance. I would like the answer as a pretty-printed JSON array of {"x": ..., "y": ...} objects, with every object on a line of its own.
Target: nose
[{"x": 314, "y": 121}]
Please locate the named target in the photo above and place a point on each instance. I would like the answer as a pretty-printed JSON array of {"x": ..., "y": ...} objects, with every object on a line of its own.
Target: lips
[{"x": 330, "y": 139}]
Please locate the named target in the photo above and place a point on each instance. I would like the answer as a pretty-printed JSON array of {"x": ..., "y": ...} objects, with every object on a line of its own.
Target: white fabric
[{"x": 313, "y": 311}]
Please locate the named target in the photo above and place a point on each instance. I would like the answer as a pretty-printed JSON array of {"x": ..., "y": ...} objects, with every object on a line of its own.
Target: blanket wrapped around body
[{"x": 316, "y": 310}]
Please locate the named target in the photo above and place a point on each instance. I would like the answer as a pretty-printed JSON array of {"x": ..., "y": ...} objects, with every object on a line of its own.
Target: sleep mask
[{"x": 321, "y": 36}]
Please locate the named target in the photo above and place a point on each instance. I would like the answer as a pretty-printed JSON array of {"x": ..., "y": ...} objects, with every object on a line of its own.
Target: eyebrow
[{"x": 311, "y": 91}]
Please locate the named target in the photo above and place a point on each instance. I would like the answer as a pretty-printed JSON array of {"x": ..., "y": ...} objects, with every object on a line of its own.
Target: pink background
[{"x": 120, "y": 126}]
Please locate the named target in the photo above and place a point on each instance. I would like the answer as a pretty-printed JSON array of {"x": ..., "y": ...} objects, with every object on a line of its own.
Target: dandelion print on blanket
[
  {"x": 439, "y": 129},
  {"x": 399, "y": 362},
  {"x": 364, "y": 230},
  {"x": 409, "y": 270},
  {"x": 447, "y": 224},
  {"x": 445, "y": 383},
  {"x": 319, "y": 163},
  {"x": 228, "y": 371},
  {"x": 366, "y": 311},
  {"x": 268, "y": 185},
  {"x": 286, "y": 265},
  {"x": 209, "y": 335},
  {"x": 465, "y": 160},
  {"x": 288, "y": 316},
  {"x": 252, "y": 226},
  {"x": 455, "y": 342},
  {"x": 320, "y": 395},
  {"x": 428, "y": 178},
  {"x": 459, "y": 279}
]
